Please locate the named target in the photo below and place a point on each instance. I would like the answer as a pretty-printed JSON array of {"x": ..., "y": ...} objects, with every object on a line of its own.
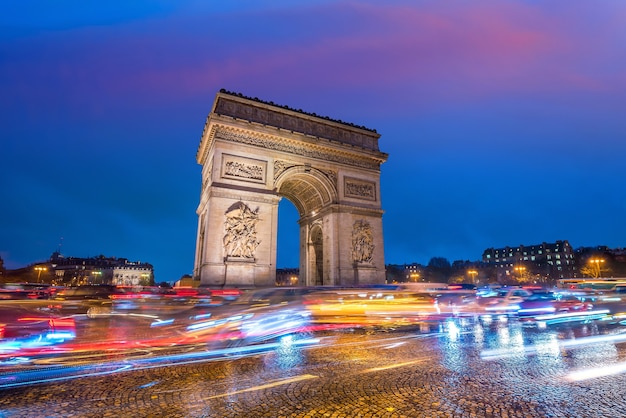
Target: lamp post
[
  {"x": 473, "y": 274},
  {"x": 97, "y": 276},
  {"x": 520, "y": 271},
  {"x": 597, "y": 262},
  {"x": 39, "y": 270}
]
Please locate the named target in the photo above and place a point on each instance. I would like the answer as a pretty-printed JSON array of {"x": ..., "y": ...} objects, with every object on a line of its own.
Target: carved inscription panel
[{"x": 359, "y": 189}]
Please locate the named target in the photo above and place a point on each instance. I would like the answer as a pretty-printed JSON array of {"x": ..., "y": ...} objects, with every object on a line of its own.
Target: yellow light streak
[
  {"x": 267, "y": 386},
  {"x": 392, "y": 366}
]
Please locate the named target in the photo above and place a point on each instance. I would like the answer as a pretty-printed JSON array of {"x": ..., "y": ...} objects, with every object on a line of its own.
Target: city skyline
[{"x": 503, "y": 121}]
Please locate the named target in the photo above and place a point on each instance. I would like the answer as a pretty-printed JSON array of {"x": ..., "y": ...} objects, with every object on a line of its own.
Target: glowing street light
[
  {"x": 521, "y": 270},
  {"x": 598, "y": 265},
  {"x": 39, "y": 269},
  {"x": 473, "y": 274}
]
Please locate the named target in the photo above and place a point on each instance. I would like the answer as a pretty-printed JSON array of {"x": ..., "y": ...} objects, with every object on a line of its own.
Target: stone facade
[{"x": 255, "y": 153}]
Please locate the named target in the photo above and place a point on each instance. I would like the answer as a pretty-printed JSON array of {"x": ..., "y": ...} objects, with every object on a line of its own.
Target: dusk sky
[{"x": 504, "y": 121}]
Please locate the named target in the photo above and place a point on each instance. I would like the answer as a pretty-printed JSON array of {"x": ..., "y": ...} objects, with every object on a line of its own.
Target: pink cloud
[{"x": 474, "y": 50}]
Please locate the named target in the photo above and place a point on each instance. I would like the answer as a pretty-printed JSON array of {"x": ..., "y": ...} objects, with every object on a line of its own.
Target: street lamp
[
  {"x": 597, "y": 262},
  {"x": 98, "y": 275},
  {"x": 39, "y": 270},
  {"x": 473, "y": 274},
  {"x": 520, "y": 271}
]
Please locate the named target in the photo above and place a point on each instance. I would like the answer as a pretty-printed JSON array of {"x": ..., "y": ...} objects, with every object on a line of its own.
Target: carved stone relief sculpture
[
  {"x": 236, "y": 169},
  {"x": 240, "y": 239},
  {"x": 362, "y": 242},
  {"x": 280, "y": 166},
  {"x": 243, "y": 169}
]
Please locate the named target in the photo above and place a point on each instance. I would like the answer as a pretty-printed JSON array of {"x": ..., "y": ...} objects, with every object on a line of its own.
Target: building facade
[
  {"x": 76, "y": 271},
  {"x": 540, "y": 263}
]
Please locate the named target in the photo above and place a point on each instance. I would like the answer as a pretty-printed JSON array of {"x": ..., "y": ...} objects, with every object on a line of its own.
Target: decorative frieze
[
  {"x": 293, "y": 148},
  {"x": 359, "y": 189}
]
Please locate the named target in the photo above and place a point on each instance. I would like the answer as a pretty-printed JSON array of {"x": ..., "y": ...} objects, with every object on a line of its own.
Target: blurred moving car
[
  {"x": 13, "y": 291},
  {"x": 21, "y": 327},
  {"x": 226, "y": 294},
  {"x": 161, "y": 301},
  {"x": 92, "y": 300},
  {"x": 257, "y": 316},
  {"x": 367, "y": 306},
  {"x": 505, "y": 300},
  {"x": 458, "y": 303},
  {"x": 612, "y": 300},
  {"x": 547, "y": 302}
]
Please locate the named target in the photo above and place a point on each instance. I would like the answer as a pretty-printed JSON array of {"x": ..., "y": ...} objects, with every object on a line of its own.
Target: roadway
[{"x": 465, "y": 368}]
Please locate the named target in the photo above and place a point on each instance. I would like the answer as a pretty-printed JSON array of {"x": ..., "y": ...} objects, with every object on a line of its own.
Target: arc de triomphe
[{"x": 253, "y": 154}]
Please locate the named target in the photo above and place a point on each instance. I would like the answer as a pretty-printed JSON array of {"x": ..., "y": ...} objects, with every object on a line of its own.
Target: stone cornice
[
  {"x": 338, "y": 208},
  {"x": 268, "y": 113},
  {"x": 233, "y": 192},
  {"x": 240, "y": 96},
  {"x": 280, "y": 121}
]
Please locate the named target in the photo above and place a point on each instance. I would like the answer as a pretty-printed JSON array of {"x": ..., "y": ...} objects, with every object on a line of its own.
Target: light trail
[
  {"x": 61, "y": 373},
  {"x": 266, "y": 386},
  {"x": 533, "y": 349},
  {"x": 597, "y": 372},
  {"x": 393, "y": 366}
]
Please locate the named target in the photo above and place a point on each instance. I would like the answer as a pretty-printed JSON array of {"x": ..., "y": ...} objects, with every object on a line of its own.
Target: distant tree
[
  {"x": 456, "y": 278},
  {"x": 165, "y": 285},
  {"x": 596, "y": 264},
  {"x": 394, "y": 273},
  {"x": 588, "y": 271},
  {"x": 438, "y": 270},
  {"x": 523, "y": 277}
]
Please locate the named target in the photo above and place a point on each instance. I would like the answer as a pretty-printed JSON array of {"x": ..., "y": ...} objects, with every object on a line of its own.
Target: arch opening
[
  {"x": 310, "y": 191},
  {"x": 288, "y": 236}
]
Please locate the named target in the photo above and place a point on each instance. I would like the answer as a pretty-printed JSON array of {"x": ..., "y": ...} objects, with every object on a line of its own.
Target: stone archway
[{"x": 255, "y": 153}]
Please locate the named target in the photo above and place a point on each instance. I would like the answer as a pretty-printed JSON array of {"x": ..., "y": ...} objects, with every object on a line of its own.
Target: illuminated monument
[{"x": 253, "y": 154}]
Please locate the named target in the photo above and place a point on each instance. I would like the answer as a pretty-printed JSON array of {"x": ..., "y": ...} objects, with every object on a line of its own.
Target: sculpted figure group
[
  {"x": 240, "y": 239},
  {"x": 362, "y": 242}
]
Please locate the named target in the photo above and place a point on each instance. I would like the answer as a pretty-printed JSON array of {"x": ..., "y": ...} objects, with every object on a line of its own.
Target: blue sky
[{"x": 504, "y": 121}]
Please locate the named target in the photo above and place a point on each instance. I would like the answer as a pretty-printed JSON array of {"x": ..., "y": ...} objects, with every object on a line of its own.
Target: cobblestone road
[{"x": 481, "y": 370}]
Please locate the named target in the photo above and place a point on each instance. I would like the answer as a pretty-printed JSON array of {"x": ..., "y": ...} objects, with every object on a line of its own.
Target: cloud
[{"x": 432, "y": 50}]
